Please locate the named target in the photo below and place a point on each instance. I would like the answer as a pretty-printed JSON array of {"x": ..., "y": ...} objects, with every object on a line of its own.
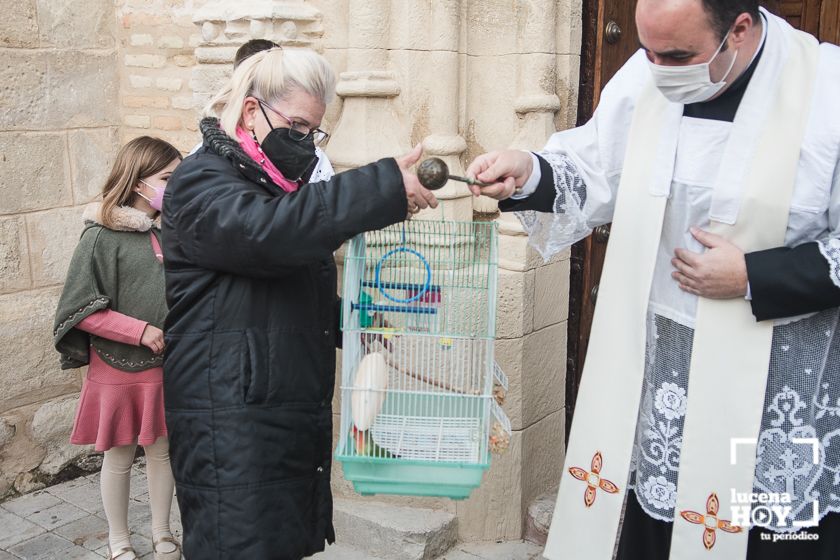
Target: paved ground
[
  {"x": 66, "y": 522},
  {"x": 467, "y": 551}
]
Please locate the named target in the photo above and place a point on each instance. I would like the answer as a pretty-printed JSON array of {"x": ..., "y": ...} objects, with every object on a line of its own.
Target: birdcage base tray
[{"x": 370, "y": 477}]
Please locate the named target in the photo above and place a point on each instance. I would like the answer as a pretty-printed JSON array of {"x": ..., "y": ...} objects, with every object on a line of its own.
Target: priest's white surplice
[{"x": 802, "y": 397}]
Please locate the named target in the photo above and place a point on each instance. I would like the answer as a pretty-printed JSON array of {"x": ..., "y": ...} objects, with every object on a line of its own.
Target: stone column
[
  {"x": 443, "y": 39},
  {"x": 537, "y": 102},
  {"x": 369, "y": 126},
  {"x": 532, "y": 307},
  {"x": 225, "y": 26}
]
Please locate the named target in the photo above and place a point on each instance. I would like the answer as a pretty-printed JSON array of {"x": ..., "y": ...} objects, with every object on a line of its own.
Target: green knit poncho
[{"x": 116, "y": 269}]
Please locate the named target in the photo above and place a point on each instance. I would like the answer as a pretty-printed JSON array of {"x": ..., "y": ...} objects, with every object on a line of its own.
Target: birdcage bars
[
  {"x": 421, "y": 276},
  {"x": 419, "y": 301}
]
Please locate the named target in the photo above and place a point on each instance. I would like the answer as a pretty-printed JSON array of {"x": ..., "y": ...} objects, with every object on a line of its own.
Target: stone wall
[
  {"x": 464, "y": 78},
  {"x": 460, "y": 76},
  {"x": 157, "y": 41},
  {"x": 79, "y": 80},
  {"x": 58, "y": 132}
]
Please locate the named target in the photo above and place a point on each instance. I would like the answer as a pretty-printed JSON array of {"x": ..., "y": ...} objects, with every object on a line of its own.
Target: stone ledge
[
  {"x": 339, "y": 551},
  {"x": 394, "y": 532},
  {"x": 511, "y": 550},
  {"x": 368, "y": 83},
  {"x": 538, "y": 517},
  {"x": 223, "y": 10}
]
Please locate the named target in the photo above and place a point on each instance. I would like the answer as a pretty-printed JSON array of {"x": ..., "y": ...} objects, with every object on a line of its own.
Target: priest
[{"x": 709, "y": 409}]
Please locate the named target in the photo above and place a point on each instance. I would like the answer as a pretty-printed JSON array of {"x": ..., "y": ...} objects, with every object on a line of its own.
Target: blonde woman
[
  {"x": 110, "y": 316},
  {"x": 253, "y": 320}
]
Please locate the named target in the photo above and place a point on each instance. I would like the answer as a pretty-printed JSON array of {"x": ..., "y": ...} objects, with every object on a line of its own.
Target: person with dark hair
[
  {"x": 722, "y": 13},
  {"x": 250, "y": 48},
  {"x": 710, "y": 396}
]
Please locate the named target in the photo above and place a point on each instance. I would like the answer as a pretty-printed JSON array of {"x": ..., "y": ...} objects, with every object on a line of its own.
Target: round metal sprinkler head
[{"x": 433, "y": 173}]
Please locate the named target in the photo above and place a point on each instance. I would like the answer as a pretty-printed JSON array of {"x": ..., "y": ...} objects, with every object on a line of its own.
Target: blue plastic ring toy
[{"x": 426, "y": 284}]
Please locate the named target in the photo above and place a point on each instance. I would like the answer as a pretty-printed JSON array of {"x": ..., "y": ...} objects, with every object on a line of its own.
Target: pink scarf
[{"x": 252, "y": 148}]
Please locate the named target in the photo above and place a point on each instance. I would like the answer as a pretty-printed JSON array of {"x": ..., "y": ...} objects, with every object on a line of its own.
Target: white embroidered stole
[
  {"x": 731, "y": 350},
  {"x": 731, "y": 353}
]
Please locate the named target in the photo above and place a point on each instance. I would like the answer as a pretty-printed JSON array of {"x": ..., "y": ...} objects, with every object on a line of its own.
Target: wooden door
[
  {"x": 609, "y": 39},
  {"x": 830, "y": 21},
  {"x": 820, "y": 18}
]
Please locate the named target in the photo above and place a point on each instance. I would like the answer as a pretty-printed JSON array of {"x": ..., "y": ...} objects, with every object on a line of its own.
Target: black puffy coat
[{"x": 250, "y": 346}]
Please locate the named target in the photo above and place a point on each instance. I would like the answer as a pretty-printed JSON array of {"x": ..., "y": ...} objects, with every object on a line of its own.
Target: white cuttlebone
[{"x": 369, "y": 388}]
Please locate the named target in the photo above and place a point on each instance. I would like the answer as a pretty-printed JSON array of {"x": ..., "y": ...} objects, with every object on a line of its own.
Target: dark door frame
[{"x": 589, "y": 70}]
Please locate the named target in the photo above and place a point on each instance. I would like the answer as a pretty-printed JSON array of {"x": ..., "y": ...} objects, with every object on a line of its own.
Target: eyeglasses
[{"x": 297, "y": 131}]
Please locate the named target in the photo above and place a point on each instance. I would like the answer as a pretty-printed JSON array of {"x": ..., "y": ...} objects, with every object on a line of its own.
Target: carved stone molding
[
  {"x": 290, "y": 22},
  {"x": 226, "y": 25},
  {"x": 369, "y": 127}
]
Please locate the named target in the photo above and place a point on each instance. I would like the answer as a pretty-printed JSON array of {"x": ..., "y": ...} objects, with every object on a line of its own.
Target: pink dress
[{"x": 116, "y": 407}]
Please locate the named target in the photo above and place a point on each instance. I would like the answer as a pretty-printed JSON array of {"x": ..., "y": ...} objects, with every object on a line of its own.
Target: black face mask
[{"x": 294, "y": 158}]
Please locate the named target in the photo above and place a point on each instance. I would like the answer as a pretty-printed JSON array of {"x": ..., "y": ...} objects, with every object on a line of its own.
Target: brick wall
[{"x": 157, "y": 41}]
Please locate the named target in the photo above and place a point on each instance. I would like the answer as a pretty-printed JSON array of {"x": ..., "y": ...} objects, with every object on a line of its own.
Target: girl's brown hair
[{"x": 142, "y": 157}]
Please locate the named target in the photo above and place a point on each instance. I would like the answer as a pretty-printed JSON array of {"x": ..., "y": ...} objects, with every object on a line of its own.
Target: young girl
[{"x": 110, "y": 316}]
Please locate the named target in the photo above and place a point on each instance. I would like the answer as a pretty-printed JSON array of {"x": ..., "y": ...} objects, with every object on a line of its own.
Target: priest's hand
[
  {"x": 719, "y": 273},
  {"x": 505, "y": 170}
]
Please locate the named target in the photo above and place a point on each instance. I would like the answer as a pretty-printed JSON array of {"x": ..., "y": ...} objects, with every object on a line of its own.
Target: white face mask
[{"x": 690, "y": 84}]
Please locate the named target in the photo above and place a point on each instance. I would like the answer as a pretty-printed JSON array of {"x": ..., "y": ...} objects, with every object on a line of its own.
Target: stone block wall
[
  {"x": 59, "y": 129},
  {"x": 464, "y": 78},
  {"x": 460, "y": 76},
  {"x": 531, "y": 348}
]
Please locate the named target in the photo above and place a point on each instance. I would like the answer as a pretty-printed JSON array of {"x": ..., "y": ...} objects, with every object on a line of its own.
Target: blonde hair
[
  {"x": 271, "y": 75},
  {"x": 142, "y": 157}
]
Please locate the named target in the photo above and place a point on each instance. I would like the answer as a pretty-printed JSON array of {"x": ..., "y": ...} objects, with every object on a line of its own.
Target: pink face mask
[{"x": 156, "y": 201}]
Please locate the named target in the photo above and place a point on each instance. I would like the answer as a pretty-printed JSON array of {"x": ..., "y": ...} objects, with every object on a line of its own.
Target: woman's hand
[
  {"x": 152, "y": 339},
  {"x": 418, "y": 196}
]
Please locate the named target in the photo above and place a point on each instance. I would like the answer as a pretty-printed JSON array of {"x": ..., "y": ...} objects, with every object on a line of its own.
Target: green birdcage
[{"x": 420, "y": 389}]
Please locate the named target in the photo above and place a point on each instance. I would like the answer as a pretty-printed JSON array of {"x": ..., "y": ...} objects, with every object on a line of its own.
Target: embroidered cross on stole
[{"x": 731, "y": 352}]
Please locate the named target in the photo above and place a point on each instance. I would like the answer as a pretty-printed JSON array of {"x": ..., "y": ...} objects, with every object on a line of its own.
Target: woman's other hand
[
  {"x": 418, "y": 196},
  {"x": 152, "y": 339}
]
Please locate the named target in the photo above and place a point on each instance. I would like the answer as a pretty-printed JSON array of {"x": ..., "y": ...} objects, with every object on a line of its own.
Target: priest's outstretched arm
[{"x": 564, "y": 191}]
